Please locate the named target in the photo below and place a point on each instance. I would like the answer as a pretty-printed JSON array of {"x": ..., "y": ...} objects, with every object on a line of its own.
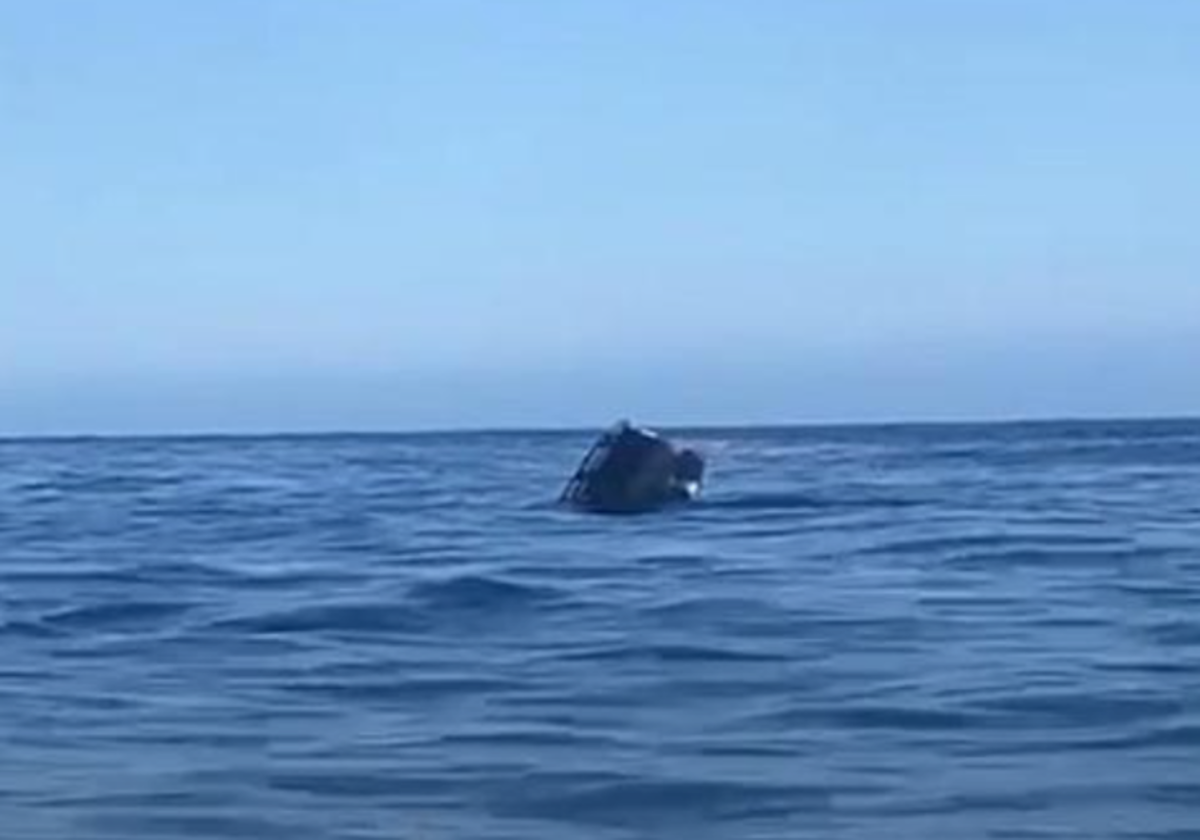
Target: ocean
[{"x": 977, "y": 631}]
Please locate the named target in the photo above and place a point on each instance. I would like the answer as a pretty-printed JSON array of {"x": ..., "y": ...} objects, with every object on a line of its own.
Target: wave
[
  {"x": 481, "y": 594},
  {"x": 771, "y": 502},
  {"x": 620, "y": 800},
  {"x": 128, "y": 615},
  {"x": 672, "y": 653},
  {"x": 342, "y": 617}
]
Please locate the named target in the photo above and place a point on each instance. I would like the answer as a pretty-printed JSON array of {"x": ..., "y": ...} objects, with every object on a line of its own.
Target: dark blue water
[{"x": 956, "y": 632}]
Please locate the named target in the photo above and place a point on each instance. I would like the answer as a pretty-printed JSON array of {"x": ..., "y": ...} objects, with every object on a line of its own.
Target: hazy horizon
[
  {"x": 271, "y": 218},
  {"x": 716, "y": 427}
]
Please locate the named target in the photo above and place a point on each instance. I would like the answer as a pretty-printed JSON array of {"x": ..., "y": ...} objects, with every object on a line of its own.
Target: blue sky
[{"x": 347, "y": 215}]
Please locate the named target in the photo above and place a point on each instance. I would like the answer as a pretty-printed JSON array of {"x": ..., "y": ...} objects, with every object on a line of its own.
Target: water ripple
[{"x": 910, "y": 632}]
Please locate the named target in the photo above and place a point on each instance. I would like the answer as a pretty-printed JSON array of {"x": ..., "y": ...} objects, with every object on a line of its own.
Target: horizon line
[{"x": 678, "y": 428}]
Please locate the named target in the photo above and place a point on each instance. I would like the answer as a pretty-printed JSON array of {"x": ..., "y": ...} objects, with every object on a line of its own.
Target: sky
[{"x": 371, "y": 215}]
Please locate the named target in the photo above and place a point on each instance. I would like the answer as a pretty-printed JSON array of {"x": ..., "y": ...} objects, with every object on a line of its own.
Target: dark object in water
[{"x": 632, "y": 470}]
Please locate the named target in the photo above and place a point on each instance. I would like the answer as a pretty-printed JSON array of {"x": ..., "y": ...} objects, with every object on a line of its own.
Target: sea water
[{"x": 891, "y": 632}]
